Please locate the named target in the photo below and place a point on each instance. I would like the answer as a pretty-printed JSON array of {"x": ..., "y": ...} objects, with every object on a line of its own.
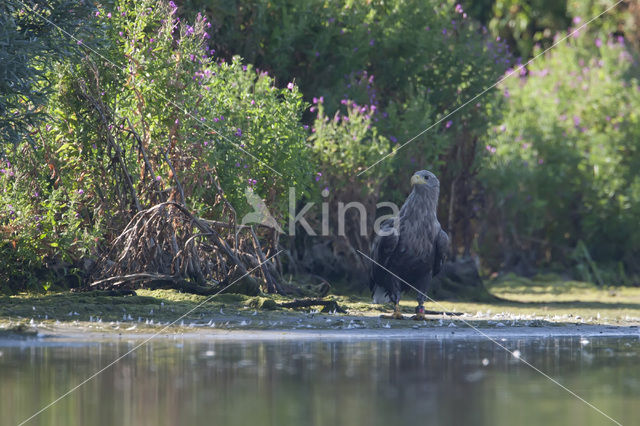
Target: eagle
[{"x": 412, "y": 246}]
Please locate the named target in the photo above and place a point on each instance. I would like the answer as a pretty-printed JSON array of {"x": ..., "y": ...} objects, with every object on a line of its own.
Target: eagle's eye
[{"x": 426, "y": 177}]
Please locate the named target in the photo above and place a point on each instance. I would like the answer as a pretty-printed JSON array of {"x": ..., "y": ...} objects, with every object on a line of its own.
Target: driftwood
[
  {"x": 329, "y": 305},
  {"x": 160, "y": 243},
  {"x": 164, "y": 243}
]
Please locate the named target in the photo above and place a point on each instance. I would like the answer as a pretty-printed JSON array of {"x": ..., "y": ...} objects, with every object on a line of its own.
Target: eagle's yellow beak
[{"x": 418, "y": 180}]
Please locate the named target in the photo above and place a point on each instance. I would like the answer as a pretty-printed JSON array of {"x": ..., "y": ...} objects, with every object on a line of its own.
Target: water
[{"x": 466, "y": 381}]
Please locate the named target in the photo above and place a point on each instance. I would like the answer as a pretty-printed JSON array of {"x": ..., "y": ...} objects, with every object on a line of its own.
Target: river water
[{"x": 322, "y": 381}]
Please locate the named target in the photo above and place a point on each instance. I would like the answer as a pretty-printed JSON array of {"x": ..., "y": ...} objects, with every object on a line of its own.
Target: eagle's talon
[
  {"x": 419, "y": 316},
  {"x": 395, "y": 315}
]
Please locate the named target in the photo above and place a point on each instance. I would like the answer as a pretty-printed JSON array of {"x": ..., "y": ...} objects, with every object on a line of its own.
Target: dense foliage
[
  {"x": 140, "y": 102},
  {"x": 152, "y": 117},
  {"x": 562, "y": 163},
  {"x": 29, "y": 45}
]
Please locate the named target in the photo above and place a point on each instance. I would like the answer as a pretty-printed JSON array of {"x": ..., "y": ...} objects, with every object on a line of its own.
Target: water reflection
[{"x": 453, "y": 382}]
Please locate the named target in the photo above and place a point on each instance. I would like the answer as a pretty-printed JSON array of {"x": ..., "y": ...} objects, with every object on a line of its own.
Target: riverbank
[{"x": 530, "y": 306}]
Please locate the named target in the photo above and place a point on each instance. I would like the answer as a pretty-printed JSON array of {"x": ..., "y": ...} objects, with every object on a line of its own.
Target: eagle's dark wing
[
  {"x": 382, "y": 250},
  {"x": 441, "y": 249}
]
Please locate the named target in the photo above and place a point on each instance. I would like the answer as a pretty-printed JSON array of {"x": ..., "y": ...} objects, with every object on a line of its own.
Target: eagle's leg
[
  {"x": 395, "y": 298},
  {"x": 419, "y": 316},
  {"x": 396, "y": 312}
]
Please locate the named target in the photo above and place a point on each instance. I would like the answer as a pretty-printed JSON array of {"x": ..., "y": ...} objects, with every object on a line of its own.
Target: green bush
[
  {"x": 28, "y": 46},
  {"x": 155, "y": 90},
  {"x": 413, "y": 61},
  {"x": 561, "y": 166}
]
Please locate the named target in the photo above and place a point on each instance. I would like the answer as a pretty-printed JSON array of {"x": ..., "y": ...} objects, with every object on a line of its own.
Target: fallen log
[{"x": 328, "y": 305}]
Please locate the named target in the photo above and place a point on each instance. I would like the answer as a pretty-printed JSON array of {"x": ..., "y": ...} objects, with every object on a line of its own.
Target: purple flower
[
  {"x": 109, "y": 15},
  {"x": 177, "y": 121},
  {"x": 80, "y": 191},
  {"x": 448, "y": 124},
  {"x": 290, "y": 86},
  {"x": 576, "y": 120},
  {"x": 598, "y": 42},
  {"x": 444, "y": 31},
  {"x": 97, "y": 13},
  {"x": 458, "y": 8},
  {"x": 238, "y": 132},
  {"x": 577, "y": 20},
  {"x": 372, "y": 42},
  {"x": 173, "y": 5}
]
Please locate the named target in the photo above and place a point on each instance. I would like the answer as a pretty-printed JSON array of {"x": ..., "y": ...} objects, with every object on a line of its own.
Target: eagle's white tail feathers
[{"x": 380, "y": 296}]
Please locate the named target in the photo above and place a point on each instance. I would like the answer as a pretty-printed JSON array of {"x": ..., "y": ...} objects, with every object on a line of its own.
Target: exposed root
[
  {"x": 168, "y": 244},
  {"x": 328, "y": 305}
]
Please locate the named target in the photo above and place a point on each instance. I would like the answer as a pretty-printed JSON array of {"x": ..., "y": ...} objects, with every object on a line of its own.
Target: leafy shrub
[
  {"x": 27, "y": 46},
  {"x": 413, "y": 61},
  {"x": 152, "y": 110},
  {"x": 561, "y": 166}
]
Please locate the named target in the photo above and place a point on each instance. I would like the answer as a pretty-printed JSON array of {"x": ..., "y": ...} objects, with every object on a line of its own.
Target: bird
[{"x": 411, "y": 246}]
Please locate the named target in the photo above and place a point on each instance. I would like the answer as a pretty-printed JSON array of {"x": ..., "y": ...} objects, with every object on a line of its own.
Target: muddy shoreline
[{"x": 83, "y": 333}]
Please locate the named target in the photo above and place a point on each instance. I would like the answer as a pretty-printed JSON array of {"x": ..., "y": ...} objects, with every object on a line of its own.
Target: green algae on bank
[{"x": 541, "y": 301}]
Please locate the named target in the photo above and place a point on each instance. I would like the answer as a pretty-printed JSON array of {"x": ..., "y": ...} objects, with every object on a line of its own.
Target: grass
[{"x": 520, "y": 301}]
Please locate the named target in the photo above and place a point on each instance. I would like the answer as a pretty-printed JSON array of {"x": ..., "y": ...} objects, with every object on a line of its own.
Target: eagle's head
[
  {"x": 426, "y": 186},
  {"x": 424, "y": 179}
]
